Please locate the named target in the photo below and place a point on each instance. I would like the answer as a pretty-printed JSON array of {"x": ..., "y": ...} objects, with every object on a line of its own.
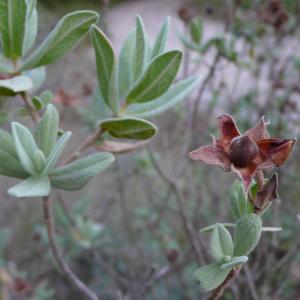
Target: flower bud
[{"x": 242, "y": 151}]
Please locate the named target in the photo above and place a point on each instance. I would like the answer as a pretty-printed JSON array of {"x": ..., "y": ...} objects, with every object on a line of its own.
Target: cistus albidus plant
[
  {"x": 134, "y": 86},
  {"x": 248, "y": 155}
]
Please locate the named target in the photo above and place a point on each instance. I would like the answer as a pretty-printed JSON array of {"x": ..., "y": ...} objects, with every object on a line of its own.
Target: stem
[
  {"x": 218, "y": 292},
  {"x": 58, "y": 255},
  {"x": 90, "y": 141},
  {"x": 32, "y": 111}
]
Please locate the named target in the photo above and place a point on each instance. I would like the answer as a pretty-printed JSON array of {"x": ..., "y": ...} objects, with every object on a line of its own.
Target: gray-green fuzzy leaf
[
  {"x": 157, "y": 78},
  {"x": 56, "y": 152},
  {"x": 177, "y": 93},
  {"x": 12, "y": 27},
  {"x": 66, "y": 34},
  {"x": 221, "y": 243},
  {"x": 129, "y": 128},
  {"x": 31, "y": 29},
  {"x": 235, "y": 261},
  {"x": 77, "y": 174},
  {"x": 15, "y": 85},
  {"x": 25, "y": 147},
  {"x": 125, "y": 65},
  {"x": 47, "y": 129},
  {"x": 105, "y": 60},
  {"x": 247, "y": 234},
  {"x": 196, "y": 30},
  {"x": 9, "y": 161},
  {"x": 211, "y": 276},
  {"x": 38, "y": 77},
  {"x": 140, "y": 53},
  {"x": 161, "y": 39},
  {"x": 31, "y": 187}
]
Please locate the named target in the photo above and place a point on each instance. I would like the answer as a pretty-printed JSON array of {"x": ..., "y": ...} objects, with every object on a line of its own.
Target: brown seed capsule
[{"x": 242, "y": 151}]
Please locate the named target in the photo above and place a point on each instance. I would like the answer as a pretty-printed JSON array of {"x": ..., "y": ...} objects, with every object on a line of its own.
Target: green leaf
[
  {"x": 234, "y": 262},
  {"x": 38, "y": 77},
  {"x": 12, "y": 27},
  {"x": 56, "y": 152},
  {"x": 42, "y": 100},
  {"x": 196, "y": 30},
  {"x": 9, "y": 161},
  {"x": 210, "y": 277},
  {"x": 140, "y": 53},
  {"x": 125, "y": 64},
  {"x": 77, "y": 174},
  {"x": 31, "y": 187},
  {"x": 39, "y": 160},
  {"x": 66, "y": 34},
  {"x": 240, "y": 206},
  {"x": 157, "y": 78},
  {"x": 47, "y": 129},
  {"x": 129, "y": 128},
  {"x": 6, "y": 65},
  {"x": 247, "y": 234},
  {"x": 99, "y": 108},
  {"x": 177, "y": 93},
  {"x": 12, "y": 86},
  {"x": 221, "y": 243},
  {"x": 161, "y": 39},
  {"x": 105, "y": 60},
  {"x": 31, "y": 29},
  {"x": 25, "y": 146}
]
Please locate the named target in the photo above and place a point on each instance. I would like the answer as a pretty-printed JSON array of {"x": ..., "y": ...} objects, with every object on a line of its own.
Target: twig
[
  {"x": 32, "y": 111},
  {"x": 182, "y": 211},
  {"x": 58, "y": 255},
  {"x": 218, "y": 292}
]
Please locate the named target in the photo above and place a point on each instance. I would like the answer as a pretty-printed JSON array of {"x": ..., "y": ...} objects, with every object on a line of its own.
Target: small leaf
[
  {"x": 66, "y": 34},
  {"x": 235, "y": 261},
  {"x": 247, "y": 234},
  {"x": 47, "y": 129},
  {"x": 38, "y": 77},
  {"x": 177, "y": 93},
  {"x": 140, "y": 53},
  {"x": 31, "y": 26},
  {"x": 56, "y": 152},
  {"x": 25, "y": 146},
  {"x": 240, "y": 206},
  {"x": 161, "y": 39},
  {"x": 196, "y": 29},
  {"x": 9, "y": 161},
  {"x": 129, "y": 128},
  {"x": 31, "y": 187},
  {"x": 99, "y": 109},
  {"x": 77, "y": 174},
  {"x": 157, "y": 78},
  {"x": 12, "y": 27},
  {"x": 125, "y": 65},
  {"x": 42, "y": 100},
  {"x": 210, "y": 277},
  {"x": 39, "y": 160},
  {"x": 221, "y": 243},
  {"x": 12, "y": 86},
  {"x": 105, "y": 60}
]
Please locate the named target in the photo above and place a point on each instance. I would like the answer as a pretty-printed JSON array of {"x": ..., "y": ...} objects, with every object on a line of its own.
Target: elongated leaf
[
  {"x": 66, "y": 34},
  {"x": 125, "y": 64},
  {"x": 196, "y": 30},
  {"x": 12, "y": 27},
  {"x": 99, "y": 109},
  {"x": 47, "y": 129},
  {"x": 31, "y": 29},
  {"x": 105, "y": 60},
  {"x": 247, "y": 234},
  {"x": 25, "y": 146},
  {"x": 177, "y": 93},
  {"x": 140, "y": 53},
  {"x": 56, "y": 151},
  {"x": 77, "y": 174},
  {"x": 31, "y": 187},
  {"x": 161, "y": 39},
  {"x": 157, "y": 78},
  {"x": 235, "y": 261},
  {"x": 221, "y": 243},
  {"x": 211, "y": 276},
  {"x": 129, "y": 128},
  {"x": 12, "y": 86},
  {"x": 9, "y": 161}
]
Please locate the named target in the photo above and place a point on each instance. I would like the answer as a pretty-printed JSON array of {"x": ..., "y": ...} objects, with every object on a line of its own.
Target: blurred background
[{"x": 127, "y": 234}]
